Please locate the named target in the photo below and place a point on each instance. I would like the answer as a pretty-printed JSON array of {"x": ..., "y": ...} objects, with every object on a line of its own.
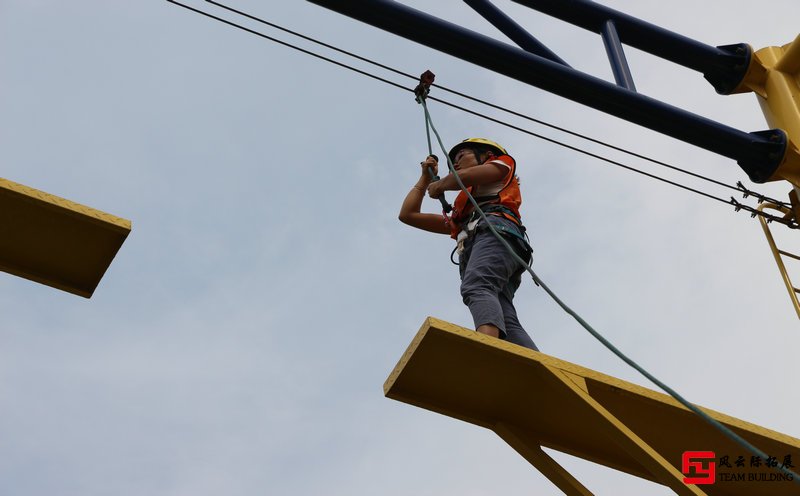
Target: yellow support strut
[{"x": 779, "y": 254}]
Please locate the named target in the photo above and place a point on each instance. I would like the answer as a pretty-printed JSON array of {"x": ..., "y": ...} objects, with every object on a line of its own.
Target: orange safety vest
[{"x": 508, "y": 197}]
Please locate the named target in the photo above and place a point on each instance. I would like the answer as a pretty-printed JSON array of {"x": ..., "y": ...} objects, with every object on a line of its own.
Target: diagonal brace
[
  {"x": 543, "y": 462},
  {"x": 625, "y": 438},
  {"x": 513, "y": 30}
]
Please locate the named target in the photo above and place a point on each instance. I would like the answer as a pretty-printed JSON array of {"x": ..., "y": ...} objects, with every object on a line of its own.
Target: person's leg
[
  {"x": 515, "y": 333},
  {"x": 486, "y": 272},
  {"x": 489, "y": 330}
]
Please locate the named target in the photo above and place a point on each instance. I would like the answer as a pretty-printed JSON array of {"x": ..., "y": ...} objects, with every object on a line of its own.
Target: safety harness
[{"x": 464, "y": 219}]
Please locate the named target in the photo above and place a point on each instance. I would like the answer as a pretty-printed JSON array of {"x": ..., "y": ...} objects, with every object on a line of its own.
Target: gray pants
[{"x": 489, "y": 278}]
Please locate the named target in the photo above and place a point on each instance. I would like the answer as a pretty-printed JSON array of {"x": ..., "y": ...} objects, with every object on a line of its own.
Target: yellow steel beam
[
  {"x": 532, "y": 400},
  {"x": 54, "y": 241}
]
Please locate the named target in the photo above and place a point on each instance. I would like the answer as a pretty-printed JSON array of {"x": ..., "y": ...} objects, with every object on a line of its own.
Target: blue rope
[
  {"x": 427, "y": 128},
  {"x": 722, "y": 428}
]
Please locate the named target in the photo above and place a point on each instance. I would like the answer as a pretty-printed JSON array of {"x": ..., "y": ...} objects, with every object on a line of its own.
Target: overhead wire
[
  {"x": 738, "y": 188},
  {"x": 289, "y": 45},
  {"x": 732, "y": 202},
  {"x": 738, "y": 206}
]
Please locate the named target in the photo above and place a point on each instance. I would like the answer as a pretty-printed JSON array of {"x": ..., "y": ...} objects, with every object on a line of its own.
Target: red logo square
[{"x": 695, "y": 471}]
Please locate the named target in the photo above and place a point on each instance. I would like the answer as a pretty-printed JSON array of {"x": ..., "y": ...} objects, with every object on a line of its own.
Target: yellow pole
[{"x": 778, "y": 254}]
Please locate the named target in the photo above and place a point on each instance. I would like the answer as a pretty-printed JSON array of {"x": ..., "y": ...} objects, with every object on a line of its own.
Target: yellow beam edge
[
  {"x": 534, "y": 400},
  {"x": 54, "y": 241}
]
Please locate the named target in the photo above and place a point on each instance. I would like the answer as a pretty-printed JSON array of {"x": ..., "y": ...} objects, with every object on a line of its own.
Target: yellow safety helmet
[{"x": 480, "y": 142}]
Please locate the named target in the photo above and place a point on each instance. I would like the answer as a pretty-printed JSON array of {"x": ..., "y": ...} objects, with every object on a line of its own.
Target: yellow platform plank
[
  {"x": 54, "y": 241},
  {"x": 531, "y": 400}
]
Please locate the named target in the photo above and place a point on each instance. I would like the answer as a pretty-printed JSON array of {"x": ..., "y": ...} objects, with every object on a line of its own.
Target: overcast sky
[{"x": 239, "y": 341}]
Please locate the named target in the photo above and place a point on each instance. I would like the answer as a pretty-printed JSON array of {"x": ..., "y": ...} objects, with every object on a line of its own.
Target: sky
[{"x": 240, "y": 339}]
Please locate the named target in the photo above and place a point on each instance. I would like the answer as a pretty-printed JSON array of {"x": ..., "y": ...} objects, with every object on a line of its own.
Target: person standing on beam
[{"x": 490, "y": 275}]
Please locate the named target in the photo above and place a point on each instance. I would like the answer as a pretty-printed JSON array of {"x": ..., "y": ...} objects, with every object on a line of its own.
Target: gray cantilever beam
[{"x": 759, "y": 154}]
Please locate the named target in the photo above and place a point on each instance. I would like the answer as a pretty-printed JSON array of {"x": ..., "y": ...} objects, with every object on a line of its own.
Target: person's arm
[
  {"x": 410, "y": 210},
  {"x": 488, "y": 173}
]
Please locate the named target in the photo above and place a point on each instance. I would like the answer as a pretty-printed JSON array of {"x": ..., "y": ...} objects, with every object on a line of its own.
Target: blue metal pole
[
  {"x": 724, "y": 67},
  {"x": 616, "y": 55},
  {"x": 759, "y": 154},
  {"x": 513, "y": 30}
]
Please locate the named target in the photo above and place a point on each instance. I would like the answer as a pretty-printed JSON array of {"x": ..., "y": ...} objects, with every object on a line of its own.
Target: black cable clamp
[
  {"x": 761, "y": 198},
  {"x": 745, "y": 191}
]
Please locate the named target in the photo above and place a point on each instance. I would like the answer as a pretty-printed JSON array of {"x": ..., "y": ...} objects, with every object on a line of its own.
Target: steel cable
[
  {"x": 738, "y": 188},
  {"x": 732, "y": 202}
]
